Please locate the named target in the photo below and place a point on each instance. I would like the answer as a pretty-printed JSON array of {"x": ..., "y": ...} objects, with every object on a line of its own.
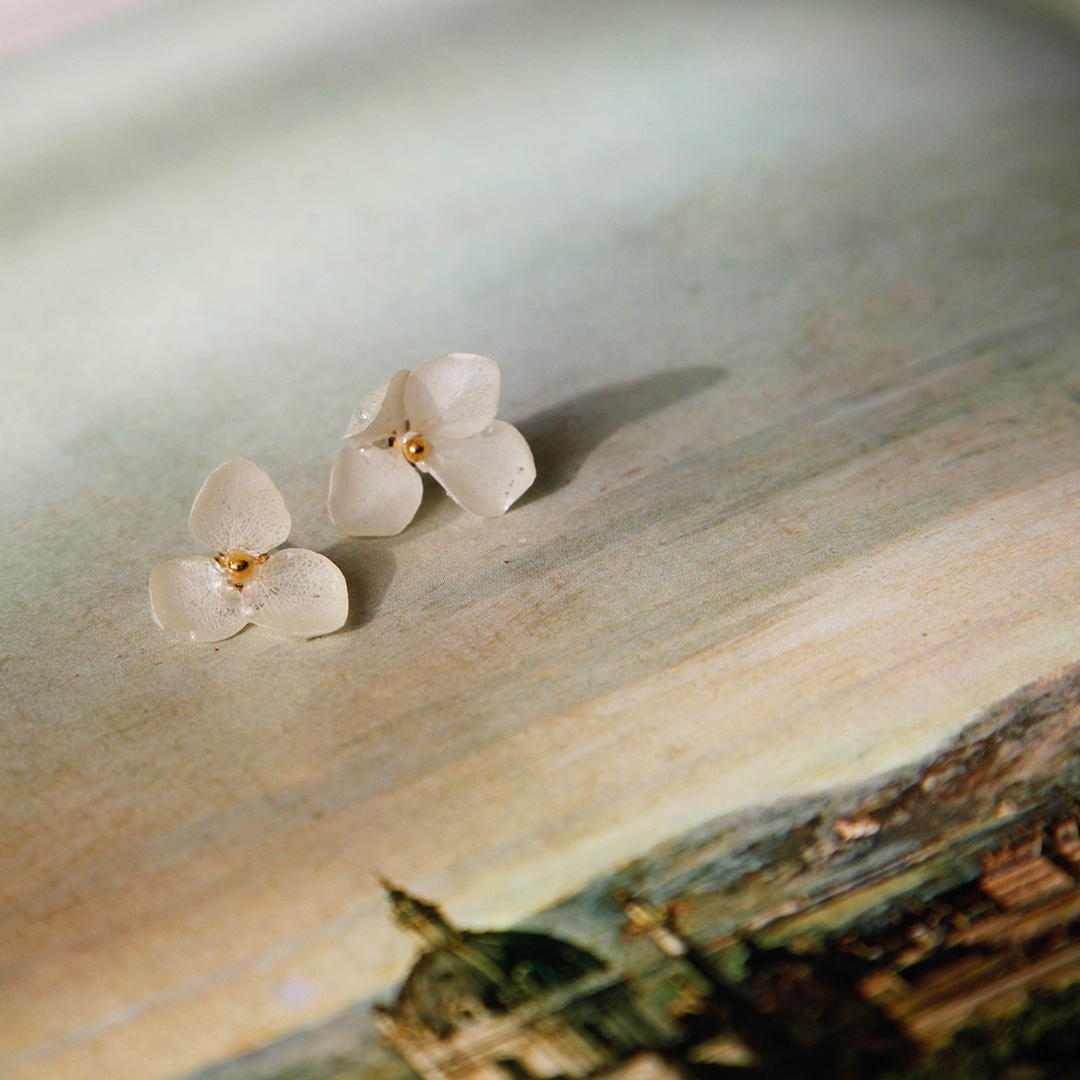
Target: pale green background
[{"x": 785, "y": 293}]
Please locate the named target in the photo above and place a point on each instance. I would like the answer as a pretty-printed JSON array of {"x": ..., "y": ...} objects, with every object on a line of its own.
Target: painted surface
[
  {"x": 25, "y": 24},
  {"x": 785, "y": 297}
]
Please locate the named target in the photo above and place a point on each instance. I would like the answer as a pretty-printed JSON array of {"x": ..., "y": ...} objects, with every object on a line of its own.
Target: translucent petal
[
  {"x": 298, "y": 592},
  {"x": 455, "y": 396},
  {"x": 239, "y": 508},
  {"x": 382, "y": 412},
  {"x": 485, "y": 473},
  {"x": 193, "y": 597},
  {"x": 373, "y": 491}
]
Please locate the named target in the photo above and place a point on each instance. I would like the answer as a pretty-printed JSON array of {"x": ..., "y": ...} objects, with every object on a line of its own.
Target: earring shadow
[
  {"x": 561, "y": 439},
  {"x": 368, "y": 566},
  {"x": 563, "y": 436}
]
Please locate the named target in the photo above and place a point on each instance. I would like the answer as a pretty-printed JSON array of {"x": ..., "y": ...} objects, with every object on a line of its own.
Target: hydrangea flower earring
[
  {"x": 439, "y": 419},
  {"x": 240, "y": 513}
]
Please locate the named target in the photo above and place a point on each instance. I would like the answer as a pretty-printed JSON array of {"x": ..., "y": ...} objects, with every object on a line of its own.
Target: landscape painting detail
[
  {"x": 924, "y": 926},
  {"x": 743, "y": 742}
]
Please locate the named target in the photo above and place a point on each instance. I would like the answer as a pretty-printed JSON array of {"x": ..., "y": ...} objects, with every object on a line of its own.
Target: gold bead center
[
  {"x": 414, "y": 448},
  {"x": 239, "y": 566}
]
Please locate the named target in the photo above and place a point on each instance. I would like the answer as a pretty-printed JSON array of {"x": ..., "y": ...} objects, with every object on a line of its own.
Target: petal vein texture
[
  {"x": 454, "y": 396},
  {"x": 382, "y": 412},
  {"x": 298, "y": 592},
  {"x": 192, "y": 597},
  {"x": 373, "y": 491},
  {"x": 486, "y": 473},
  {"x": 238, "y": 508}
]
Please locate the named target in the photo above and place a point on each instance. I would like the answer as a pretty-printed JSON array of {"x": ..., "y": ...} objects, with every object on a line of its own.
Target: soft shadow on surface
[
  {"x": 368, "y": 566},
  {"x": 562, "y": 437},
  {"x": 435, "y": 506}
]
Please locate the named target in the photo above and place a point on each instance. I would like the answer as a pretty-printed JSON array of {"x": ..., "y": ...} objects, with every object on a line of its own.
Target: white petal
[
  {"x": 456, "y": 395},
  {"x": 486, "y": 473},
  {"x": 238, "y": 508},
  {"x": 373, "y": 491},
  {"x": 194, "y": 598},
  {"x": 382, "y": 412},
  {"x": 298, "y": 592}
]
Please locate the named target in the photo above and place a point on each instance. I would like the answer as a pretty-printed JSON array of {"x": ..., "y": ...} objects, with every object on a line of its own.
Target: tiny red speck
[
  {"x": 76, "y": 676},
  {"x": 506, "y": 560},
  {"x": 217, "y": 650}
]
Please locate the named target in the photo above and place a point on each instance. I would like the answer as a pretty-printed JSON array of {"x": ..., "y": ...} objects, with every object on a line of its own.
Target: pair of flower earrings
[{"x": 438, "y": 419}]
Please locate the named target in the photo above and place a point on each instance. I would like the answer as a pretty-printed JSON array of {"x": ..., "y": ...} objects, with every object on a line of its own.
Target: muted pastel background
[{"x": 785, "y": 296}]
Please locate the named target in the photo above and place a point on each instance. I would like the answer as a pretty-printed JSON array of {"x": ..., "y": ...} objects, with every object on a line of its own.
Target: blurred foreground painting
[{"x": 926, "y": 927}]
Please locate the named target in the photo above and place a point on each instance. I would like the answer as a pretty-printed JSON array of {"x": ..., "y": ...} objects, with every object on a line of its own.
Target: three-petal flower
[
  {"x": 439, "y": 419},
  {"x": 240, "y": 513}
]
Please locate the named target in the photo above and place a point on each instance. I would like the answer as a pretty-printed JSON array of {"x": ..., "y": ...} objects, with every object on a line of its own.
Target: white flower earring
[
  {"x": 240, "y": 513},
  {"x": 439, "y": 419}
]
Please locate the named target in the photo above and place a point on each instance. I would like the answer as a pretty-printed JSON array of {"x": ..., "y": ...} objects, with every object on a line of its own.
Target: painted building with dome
[{"x": 513, "y": 1005}]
